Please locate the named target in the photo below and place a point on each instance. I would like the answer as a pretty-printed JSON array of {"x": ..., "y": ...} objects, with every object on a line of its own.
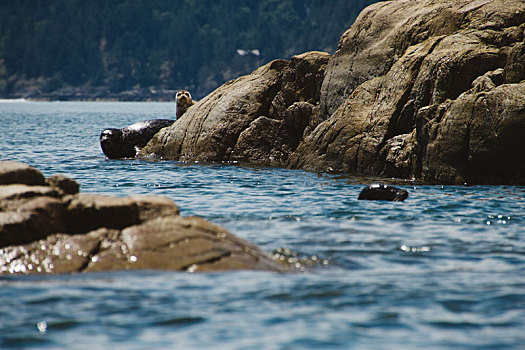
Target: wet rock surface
[
  {"x": 258, "y": 118},
  {"x": 428, "y": 89},
  {"x": 432, "y": 90},
  {"x": 52, "y": 229}
]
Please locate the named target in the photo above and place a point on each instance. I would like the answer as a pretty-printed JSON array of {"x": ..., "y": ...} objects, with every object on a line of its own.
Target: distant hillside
[{"x": 108, "y": 47}]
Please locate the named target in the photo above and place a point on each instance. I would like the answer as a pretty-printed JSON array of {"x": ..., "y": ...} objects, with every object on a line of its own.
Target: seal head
[
  {"x": 111, "y": 143},
  {"x": 183, "y": 102},
  {"x": 383, "y": 192}
]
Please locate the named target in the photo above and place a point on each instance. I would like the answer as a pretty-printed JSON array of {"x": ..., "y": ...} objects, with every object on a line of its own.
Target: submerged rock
[
  {"x": 45, "y": 229},
  {"x": 383, "y": 192}
]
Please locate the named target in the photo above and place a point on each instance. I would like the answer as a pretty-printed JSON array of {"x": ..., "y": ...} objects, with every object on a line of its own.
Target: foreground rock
[
  {"x": 19, "y": 173},
  {"x": 426, "y": 89},
  {"x": 53, "y": 229}
]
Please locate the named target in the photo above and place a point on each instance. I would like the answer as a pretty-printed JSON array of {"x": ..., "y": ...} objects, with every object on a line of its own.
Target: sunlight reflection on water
[{"x": 441, "y": 270}]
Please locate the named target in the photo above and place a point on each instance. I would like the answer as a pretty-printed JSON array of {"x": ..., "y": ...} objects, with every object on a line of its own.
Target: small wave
[{"x": 180, "y": 321}]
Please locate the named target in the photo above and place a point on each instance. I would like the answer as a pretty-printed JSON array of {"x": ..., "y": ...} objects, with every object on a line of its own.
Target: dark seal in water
[
  {"x": 126, "y": 142},
  {"x": 383, "y": 192}
]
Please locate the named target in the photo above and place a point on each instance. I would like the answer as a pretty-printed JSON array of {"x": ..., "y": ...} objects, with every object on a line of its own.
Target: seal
[
  {"x": 183, "y": 102},
  {"x": 126, "y": 142},
  {"x": 383, "y": 192}
]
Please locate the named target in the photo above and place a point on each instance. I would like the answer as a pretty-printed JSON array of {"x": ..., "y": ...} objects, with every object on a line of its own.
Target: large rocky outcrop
[
  {"x": 48, "y": 227},
  {"x": 429, "y": 89},
  {"x": 259, "y": 118}
]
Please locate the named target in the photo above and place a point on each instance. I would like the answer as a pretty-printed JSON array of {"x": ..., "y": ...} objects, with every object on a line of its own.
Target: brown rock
[
  {"x": 185, "y": 244},
  {"x": 152, "y": 207},
  {"x": 69, "y": 186},
  {"x": 58, "y": 253},
  {"x": 42, "y": 230},
  {"x": 33, "y": 220},
  {"x": 410, "y": 92},
  {"x": 87, "y": 212},
  {"x": 237, "y": 121},
  {"x": 427, "y": 89},
  {"x": 264, "y": 141},
  {"x": 17, "y": 192},
  {"x": 19, "y": 173},
  {"x": 170, "y": 243},
  {"x": 14, "y": 228},
  {"x": 479, "y": 138}
]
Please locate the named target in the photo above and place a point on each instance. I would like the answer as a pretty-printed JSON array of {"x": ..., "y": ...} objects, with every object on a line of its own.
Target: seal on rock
[
  {"x": 126, "y": 142},
  {"x": 183, "y": 102},
  {"x": 383, "y": 192}
]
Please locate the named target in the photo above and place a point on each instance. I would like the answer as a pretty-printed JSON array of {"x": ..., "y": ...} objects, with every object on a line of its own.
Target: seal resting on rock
[
  {"x": 183, "y": 102},
  {"x": 383, "y": 192},
  {"x": 126, "y": 142}
]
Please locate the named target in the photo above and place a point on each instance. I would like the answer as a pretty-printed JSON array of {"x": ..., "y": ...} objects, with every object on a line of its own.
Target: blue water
[{"x": 443, "y": 270}]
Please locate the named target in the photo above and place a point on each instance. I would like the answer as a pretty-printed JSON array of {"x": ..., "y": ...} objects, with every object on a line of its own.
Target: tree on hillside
[{"x": 129, "y": 44}]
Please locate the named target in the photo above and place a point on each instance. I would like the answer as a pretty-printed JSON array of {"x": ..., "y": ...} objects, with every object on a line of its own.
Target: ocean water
[{"x": 443, "y": 270}]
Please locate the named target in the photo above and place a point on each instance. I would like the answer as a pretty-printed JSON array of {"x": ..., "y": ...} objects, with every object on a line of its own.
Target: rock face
[
  {"x": 259, "y": 118},
  {"x": 19, "y": 173},
  {"x": 429, "y": 89},
  {"x": 54, "y": 229}
]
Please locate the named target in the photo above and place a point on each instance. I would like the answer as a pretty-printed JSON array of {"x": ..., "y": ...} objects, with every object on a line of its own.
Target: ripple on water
[{"x": 441, "y": 270}]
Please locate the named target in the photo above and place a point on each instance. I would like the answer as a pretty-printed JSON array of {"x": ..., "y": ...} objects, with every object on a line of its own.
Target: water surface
[{"x": 444, "y": 269}]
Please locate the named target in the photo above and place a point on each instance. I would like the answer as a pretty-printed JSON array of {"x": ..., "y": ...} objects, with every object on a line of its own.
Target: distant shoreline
[
  {"x": 35, "y": 100},
  {"x": 93, "y": 94}
]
